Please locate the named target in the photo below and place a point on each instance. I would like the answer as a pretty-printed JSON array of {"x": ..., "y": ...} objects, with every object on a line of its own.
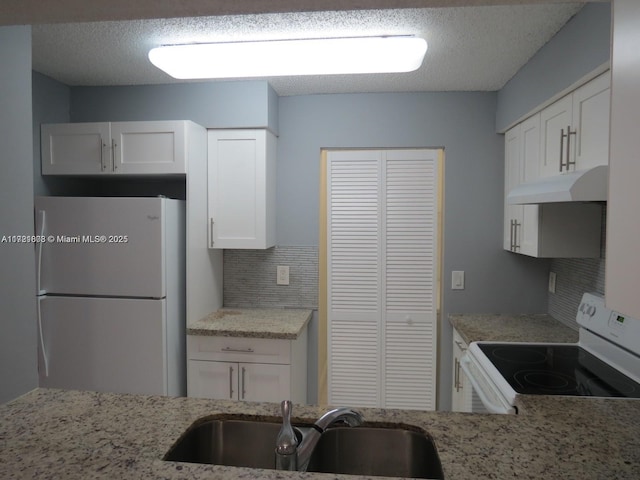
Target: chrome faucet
[
  {"x": 293, "y": 456},
  {"x": 286, "y": 442}
]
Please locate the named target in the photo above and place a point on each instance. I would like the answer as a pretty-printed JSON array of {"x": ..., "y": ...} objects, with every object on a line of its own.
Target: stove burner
[
  {"x": 520, "y": 355},
  {"x": 544, "y": 380}
]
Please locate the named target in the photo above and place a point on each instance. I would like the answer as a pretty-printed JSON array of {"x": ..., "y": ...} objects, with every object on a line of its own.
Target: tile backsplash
[
  {"x": 575, "y": 276},
  {"x": 250, "y": 278}
]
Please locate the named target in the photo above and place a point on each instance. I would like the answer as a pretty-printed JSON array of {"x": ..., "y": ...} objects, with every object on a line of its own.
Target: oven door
[{"x": 484, "y": 388}]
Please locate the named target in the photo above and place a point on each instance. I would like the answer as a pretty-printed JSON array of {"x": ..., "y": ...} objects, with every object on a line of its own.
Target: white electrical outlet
[
  {"x": 282, "y": 277},
  {"x": 552, "y": 282}
]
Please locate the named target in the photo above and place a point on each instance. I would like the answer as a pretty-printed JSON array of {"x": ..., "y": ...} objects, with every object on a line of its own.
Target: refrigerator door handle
[
  {"x": 44, "y": 351},
  {"x": 41, "y": 235}
]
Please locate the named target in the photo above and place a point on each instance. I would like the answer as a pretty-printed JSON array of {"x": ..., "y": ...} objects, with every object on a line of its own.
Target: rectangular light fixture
[{"x": 291, "y": 57}]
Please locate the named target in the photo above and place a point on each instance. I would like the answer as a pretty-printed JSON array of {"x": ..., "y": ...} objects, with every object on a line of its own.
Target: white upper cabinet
[
  {"x": 554, "y": 121},
  {"x": 241, "y": 188},
  {"x": 575, "y": 130},
  {"x": 568, "y": 230},
  {"x": 148, "y": 147},
  {"x": 75, "y": 148},
  {"x": 127, "y": 148},
  {"x": 512, "y": 178},
  {"x": 591, "y": 118}
]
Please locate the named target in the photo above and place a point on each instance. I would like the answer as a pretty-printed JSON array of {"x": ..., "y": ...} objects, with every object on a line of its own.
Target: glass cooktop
[{"x": 558, "y": 370}]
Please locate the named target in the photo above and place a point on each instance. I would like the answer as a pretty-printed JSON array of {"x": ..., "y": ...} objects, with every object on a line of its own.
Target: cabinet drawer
[{"x": 237, "y": 349}]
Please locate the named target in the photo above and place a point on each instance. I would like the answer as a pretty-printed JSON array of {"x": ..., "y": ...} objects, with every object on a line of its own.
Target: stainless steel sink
[
  {"x": 391, "y": 452},
  {"x": 231, "y": 442},
  {"x": 365, "y": 450}
]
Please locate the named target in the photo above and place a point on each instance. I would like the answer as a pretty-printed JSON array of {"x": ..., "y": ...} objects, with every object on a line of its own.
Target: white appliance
[
  {"x": 604, "y": 363},
  {"x": 111, "y": 294}
]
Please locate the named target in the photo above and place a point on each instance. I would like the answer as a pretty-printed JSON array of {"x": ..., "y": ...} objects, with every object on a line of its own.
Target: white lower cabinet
[
  {"x": 239, "y": 381},
  {"x": 461, "y": 395},
  {"x": 249, "y": 369}
]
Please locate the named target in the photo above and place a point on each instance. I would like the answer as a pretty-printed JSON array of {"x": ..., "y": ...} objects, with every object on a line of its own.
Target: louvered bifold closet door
[
  {"x": 354, "y": 277},
  {"x": 410, "y": 253}
]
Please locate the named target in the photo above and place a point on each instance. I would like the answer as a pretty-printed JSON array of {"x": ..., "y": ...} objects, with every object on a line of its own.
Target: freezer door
[
  {"x": 103, "y": 344},
  {"x": 106, "y": 246}
]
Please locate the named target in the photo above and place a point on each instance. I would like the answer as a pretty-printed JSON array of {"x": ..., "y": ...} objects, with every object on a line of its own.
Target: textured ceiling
[
  {"x": 470, "y": 48},
  {"x": 18, "y": 12}
]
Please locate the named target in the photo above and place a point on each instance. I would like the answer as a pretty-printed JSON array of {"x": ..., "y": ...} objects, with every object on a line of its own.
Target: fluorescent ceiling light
[{"x": 291, "y": 57}]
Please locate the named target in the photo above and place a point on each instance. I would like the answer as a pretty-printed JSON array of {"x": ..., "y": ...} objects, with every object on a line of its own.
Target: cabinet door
[
  {"x": 512, "y": 178},
  {"x": 259, "y": 382},
  {"x": 75, "y": 148},
  {"x": 527, "y": 233},
  {"x": 149, "y": 148},
  {"x": 553, "y": 120},
  {"x": 591, "y": 122},
  {"x": 241, "y": 189},
  {"x": 218, "y": 380},
  {"x": 461, "y": 391}
]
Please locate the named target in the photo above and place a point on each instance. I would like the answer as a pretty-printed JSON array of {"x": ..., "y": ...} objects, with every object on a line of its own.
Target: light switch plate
[
  {"x": 457, "y": 280},
  {"x": 282, "y": 277}
]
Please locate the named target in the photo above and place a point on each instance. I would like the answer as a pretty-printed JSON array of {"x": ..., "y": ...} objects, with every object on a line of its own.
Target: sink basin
[
  {"x": 231, "y": 442},
  {"x": 365, "y": 450},
  {"x": 391, "y": 452}
]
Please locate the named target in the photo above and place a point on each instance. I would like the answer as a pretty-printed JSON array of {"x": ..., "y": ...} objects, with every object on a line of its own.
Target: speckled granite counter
[
  {"x": 281, "y": 323},
  {"x": 53, "y": 434},
  {"x": 512, "y": 328}
]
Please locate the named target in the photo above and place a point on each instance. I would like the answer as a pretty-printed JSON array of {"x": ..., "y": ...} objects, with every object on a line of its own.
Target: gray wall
[
  {"x": 213, "y": 104},
  {"x": 462, "y": 123},
  {"x": 580, "y": 47},
  {"x": 18, "y": 354}
]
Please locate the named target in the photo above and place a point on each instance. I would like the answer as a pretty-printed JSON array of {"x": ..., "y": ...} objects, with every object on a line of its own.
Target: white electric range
[{"x": 604, "y": 363}]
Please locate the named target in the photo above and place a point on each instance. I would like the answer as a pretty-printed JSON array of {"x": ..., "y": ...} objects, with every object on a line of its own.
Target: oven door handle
[{"x": 489, "y": 405}]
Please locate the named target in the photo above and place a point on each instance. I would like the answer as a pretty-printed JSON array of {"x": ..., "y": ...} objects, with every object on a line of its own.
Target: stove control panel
[{"x": 593, "y": 315}]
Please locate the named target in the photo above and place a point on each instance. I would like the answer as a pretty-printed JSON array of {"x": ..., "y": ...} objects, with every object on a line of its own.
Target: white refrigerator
[{"x": 111, "y": 294}]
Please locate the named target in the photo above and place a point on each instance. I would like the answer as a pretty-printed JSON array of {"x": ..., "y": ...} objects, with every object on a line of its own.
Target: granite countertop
[
  {"x": 512, "y": 328},
  {"x": 283, "y": 323},
  {"x": 53, "y": 434}
]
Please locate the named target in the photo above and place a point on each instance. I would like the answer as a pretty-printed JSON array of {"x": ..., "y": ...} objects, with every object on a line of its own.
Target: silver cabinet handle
[
  {"x": 211, "y": 232},
  {"x": 244, "y": 392},
  {"x": 238, "y": 350},
  {"x": 456, "y": 374},
  {"x": 511, "y": 245},
  {"x": 516, "y": 244},
  {"x": 114, "y": 147},
  {"x": 566, "y": 148},
  {"x": 562, "y": 137},
  {"x": 569, "y": 133},
  {"x": 231, "y": 383},
  {"x": 103, "y": 145}
]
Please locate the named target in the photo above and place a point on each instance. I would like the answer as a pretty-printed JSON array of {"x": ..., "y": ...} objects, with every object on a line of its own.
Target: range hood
[{"x": 590, "y": 185}]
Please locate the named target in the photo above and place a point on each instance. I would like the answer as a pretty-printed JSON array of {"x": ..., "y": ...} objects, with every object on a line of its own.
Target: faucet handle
[{"x": 286, "y": 442}]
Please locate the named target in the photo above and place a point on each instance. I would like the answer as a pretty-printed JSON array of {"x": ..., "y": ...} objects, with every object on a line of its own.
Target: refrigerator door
[
  {"x": 104, "y": 246},
  {"x": 103, "y": 344}
]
